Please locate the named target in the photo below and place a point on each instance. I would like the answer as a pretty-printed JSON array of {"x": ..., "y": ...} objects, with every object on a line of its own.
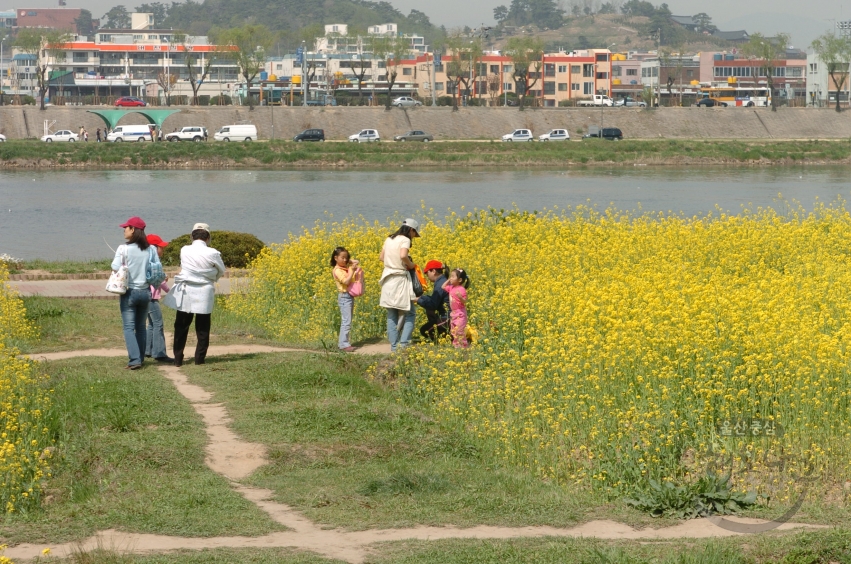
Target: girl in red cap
[{"x": 155, "y": 341}]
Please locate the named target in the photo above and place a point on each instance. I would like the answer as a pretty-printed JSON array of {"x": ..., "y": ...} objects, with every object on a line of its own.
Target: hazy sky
[{"x": 803, "y": 19}]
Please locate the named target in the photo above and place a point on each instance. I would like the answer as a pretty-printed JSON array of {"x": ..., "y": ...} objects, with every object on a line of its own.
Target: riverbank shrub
[
  {"x": 238, "y": 249},
  {"x": 612, "y": 346},
  {"x": 26, "y": 435}
]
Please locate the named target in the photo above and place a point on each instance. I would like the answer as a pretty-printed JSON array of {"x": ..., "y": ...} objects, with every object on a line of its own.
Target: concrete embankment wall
[{"x": 467, "y": 123}]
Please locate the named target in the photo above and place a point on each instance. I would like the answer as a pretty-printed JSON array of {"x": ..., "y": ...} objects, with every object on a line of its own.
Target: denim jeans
[
  {"x": 347, "y": 305},
  {"x": 408, "y": 319},
  {"x": 134, "y": 313},
  {"x": 155, "y": 343}
]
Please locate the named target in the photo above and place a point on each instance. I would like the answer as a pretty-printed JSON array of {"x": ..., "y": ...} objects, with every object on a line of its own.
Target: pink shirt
[
  {"x": 157, "y": 292},
  {"x": 457, "y": 298}
]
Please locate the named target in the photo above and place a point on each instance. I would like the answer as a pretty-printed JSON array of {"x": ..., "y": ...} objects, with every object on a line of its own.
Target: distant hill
[
  {"x": 295, "y": 17},
  {"x": 802, "y": 30}
]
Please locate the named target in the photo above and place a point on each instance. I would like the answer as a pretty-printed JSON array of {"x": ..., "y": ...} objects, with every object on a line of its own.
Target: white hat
[
  {"x": 413, "y": 224},
  {"x": 203, "y": 226}
]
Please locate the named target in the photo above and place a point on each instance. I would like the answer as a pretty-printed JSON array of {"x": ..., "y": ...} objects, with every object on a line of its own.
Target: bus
[{"x": 749, "y": 97}]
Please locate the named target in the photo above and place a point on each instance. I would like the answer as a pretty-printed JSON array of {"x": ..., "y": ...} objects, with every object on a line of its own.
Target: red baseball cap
[
  {"x": 433, "y": 264},
  {"x": 135, "y": 222},
  {"x": 156, "y": 241}
]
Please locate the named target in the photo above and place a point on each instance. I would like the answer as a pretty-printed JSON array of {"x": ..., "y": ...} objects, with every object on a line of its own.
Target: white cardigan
[{"x": 194, "y": 289}]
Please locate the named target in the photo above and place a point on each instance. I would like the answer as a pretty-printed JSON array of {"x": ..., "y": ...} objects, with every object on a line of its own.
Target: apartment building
[
  {"x": 557, "y": 78},
  {"x": 128, "y": 62},
  {"x": 338, "y": 41}
]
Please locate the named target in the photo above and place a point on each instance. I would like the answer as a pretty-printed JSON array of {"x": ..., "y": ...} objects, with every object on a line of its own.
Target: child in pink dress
[{"x": 456, "y": 287}]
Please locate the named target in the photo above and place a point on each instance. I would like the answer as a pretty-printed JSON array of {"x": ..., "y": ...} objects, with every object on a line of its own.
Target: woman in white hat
[
  {"x": 194, "y": 292},
  {"x": 397, "y": 291}
]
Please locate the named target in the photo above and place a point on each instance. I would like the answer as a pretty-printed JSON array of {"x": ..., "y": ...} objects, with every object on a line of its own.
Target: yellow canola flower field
[
  {"x": 25, "y": 405},
  {"x": 611, "y": 345}
]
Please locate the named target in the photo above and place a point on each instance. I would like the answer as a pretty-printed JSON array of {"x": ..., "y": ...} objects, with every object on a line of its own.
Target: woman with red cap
[
  {"x": 134, "y": 303},
  {"x": 155, "y": 344}
]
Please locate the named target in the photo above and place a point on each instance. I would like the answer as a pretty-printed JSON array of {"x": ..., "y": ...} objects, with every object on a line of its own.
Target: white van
[
  {"x": 245, "y": 132},
  {"x": 129, "y": 133}
]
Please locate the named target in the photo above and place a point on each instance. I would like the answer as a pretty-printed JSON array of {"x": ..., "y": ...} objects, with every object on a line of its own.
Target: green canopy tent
[{"x": 112, "y": 117}]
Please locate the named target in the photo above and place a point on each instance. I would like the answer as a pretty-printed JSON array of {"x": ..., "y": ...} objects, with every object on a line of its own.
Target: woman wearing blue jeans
[{"x": 134, "y": 303}]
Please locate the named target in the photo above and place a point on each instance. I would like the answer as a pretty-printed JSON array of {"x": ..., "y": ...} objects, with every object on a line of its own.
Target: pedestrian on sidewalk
[
  {"x": 155, "y": 342},
  {"x": 97, "y": 135},
  {"x": 194, "y": 292},
  {"x": 134, "y": 303}
]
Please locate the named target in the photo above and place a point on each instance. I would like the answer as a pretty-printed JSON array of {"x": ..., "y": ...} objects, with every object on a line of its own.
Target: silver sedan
[{"x": 415, "y": 135}]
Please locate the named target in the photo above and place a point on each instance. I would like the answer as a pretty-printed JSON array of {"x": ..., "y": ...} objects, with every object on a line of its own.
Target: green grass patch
[
  {"x": 66, "y": 266},
  {"x": 76, "y": 324},
  {"x": 282, "y": 154},
  {"x": 130, "y": 456},
  {"x": 349, "y": 453},
  {"x": 212, "y": 556}
]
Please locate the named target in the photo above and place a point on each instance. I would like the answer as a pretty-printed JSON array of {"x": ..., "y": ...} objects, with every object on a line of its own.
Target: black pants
[
  {"x": 181, "y": 331},
  {"x": 435, "y": 327}
]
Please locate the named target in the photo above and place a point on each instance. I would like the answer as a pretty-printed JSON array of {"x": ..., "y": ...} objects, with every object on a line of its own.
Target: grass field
[
  {"x": 277, "y": 154},
  {"x": 130, "y": 455},
  {"x": 66, "y": 324}
]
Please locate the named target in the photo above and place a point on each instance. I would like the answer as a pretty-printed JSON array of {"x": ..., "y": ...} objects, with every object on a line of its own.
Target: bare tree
[
  {"x": 48, "y": 47},
  {"x": 462, "y": 66},
  {"x": 525, "y": 54},
  {"x": 494, "y": 82},
  {"x": 249, "y": 44},
  {"x": 767, "y": 51},
  {"x": 195, "y": 72},
  {"x": 835, "y": 52},
  {"x": 391, "y": 50}
]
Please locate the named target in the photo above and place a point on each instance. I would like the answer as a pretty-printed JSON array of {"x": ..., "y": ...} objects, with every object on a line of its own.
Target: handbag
[
  {"x": 117, "y": 283},
  {"x": 356, "y": 288},
  {"x": 415, "y": 281},
  {"x": 154, "y": 274}
]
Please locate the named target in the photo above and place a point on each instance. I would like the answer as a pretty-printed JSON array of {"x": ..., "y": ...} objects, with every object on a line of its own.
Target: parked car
[
  {"x": 707, "y": 102},
  {"x": 415, "y": 135},
  {"x": 555, "y": 135},
  {"x": 129, "y": 102},
  {"x": 405, "y": 101},
  {"x": 518, "y": 135},
  {"x": 365, "y": 136},
  {"x": 610, "y": 133},
  {"x": 310, "y": 135},
  {"x": 62, "y": 135},
  {"x": 628, "y": 102},
  {"x": 239, "y": 132},
  {"x": 192, "y": 133},
  {"x": 130, "y": 133}
]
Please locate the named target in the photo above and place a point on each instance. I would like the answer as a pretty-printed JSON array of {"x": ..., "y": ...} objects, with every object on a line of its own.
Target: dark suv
[
  {"x": 611, "y": 133},
  {"x": 310, "y": 135}
]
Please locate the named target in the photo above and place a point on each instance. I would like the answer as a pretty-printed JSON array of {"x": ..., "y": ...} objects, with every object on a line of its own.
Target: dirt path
[{"x": 236, "y": 459}]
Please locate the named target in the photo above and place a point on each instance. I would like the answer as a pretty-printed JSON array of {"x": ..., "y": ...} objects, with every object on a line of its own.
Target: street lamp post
[
  {"x": 608, "y": 90},
  {"x": 303, "y": 73},
  {"x": 2, "y": 74}
]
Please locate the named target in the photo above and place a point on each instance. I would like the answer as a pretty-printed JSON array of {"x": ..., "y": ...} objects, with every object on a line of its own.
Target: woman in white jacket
[
  {"x": 397, "y": 290},
  {"x": 194, "y": 292}
]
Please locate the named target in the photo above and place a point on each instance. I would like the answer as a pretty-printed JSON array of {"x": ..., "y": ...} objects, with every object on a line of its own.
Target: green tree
[
  {"x": 117, "y": 18},
  {"x": 392, "y": 51},
  {"x": 158, "y": 9},
  {"x": 835, "y": 53},
  {"x": 766, "y": 51},
  {"x": 500, "y": 13},
  {"x": 466, "y": 52},
  {"x": 704, "y": 23},
  {"x": 84, "y": 23},
  {"x": 249, "y": 45},
  {"x": 525, "y": 54},
  {"x": 48, "y": 47}
]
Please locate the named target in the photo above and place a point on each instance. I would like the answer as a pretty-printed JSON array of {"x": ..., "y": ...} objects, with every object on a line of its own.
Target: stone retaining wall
[{"x": 18, "y": 122}]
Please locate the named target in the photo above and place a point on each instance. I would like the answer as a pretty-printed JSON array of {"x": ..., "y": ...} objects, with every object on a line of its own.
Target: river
[{"x": 68, "y": 214}]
